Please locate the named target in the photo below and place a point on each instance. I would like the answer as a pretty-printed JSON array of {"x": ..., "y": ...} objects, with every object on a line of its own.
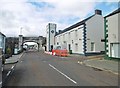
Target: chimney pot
[
  {"x": 99, "y": 12},
  {"x": 60, "y": 31}
]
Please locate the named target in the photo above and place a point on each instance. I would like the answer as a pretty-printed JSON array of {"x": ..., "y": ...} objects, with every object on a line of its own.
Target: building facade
[
  {"x": 83, "y": 37},
  {"x": 50, "y": 34},
  {"x": 112, "y": 34},
  {"x": 2, "y": 41}
]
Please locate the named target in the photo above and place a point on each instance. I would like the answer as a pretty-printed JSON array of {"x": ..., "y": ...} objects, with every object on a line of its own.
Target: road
[{"x": 40, "y": 69}]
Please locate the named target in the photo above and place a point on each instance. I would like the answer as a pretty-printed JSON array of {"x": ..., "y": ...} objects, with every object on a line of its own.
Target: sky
[
  {"x": 30, "y": 17},
  {"x": 30, "y": 43}
]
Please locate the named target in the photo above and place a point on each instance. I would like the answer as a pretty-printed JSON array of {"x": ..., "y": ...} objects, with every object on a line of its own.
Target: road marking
[
  {"x": 2, "y": 68},
  {"x": 0, "y": 83},
  {"x": 44, "y": 61},
  {"x": 12, "y": 67},
  {"x": 8, "y": 73},
  {"x": 63, "y": 74},
  {"x": 80, "y": 62}
]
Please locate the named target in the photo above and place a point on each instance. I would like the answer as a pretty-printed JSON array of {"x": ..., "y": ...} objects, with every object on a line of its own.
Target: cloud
[
  {"x": 34, "y": 15},
  {"x": 15, "y": 15}
]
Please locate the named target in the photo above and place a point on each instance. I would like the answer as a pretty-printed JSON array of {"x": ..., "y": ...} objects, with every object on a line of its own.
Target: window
[
  {"x": 114, "y": 50},
  {"x": 72, "y": 42},
  {"x": 92, "y": 46},
  {"x": 76, "y": 47},
  {"x": 69, "y": 47}
]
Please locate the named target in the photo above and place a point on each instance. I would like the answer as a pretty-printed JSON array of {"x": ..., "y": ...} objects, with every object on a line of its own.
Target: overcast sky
[{"x": 32, "y": 16}]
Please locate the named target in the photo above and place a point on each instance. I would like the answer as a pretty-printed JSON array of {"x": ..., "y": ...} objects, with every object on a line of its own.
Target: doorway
[
  {"x": 51, "y": 47},
  {"x": 69, "y": 47},
  {"x": 114, "y": 50}
]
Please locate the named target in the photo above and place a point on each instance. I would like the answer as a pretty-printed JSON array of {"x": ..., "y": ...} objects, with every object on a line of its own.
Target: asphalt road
[{"x": 40, "y": 69}]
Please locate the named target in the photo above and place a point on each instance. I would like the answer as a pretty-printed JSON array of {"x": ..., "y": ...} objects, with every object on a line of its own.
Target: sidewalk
[
  {"x": 9, "y": 66},
  {"x": 13, "y": 59},
  {"x": 98, "y": 61},
  {"x": 106, "y": 65}
]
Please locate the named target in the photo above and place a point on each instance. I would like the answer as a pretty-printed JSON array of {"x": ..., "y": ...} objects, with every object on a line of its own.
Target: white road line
[
  {"x": 0, "y": 83},
  {"x": 8, "y": 73},
  {"x": 63, "y": 74},
  {"x": 12, "y": 67}
]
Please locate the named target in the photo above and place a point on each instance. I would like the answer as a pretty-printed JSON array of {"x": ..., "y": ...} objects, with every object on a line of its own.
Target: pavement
[
  {"x": 9, "y": 66},
  {"x": 98, "y": 62},
  {"x": 106, "y": 65},
  {"x": 13, "y": 59}
]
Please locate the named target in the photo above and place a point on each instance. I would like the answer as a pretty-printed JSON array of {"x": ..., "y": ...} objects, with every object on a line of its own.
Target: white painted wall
[
  {"x": 71, "y": 37},
  {"x": 113, "y": 36},
  {"x": 47, "y": 37},
  {"x": 113, "y": 28},
  {"x": 95, "y": 32}
]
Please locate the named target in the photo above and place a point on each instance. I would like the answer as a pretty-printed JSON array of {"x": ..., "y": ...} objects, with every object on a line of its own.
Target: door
[
  {"x": 115, "y": 50},
  {"x": 76, "y": 47},
  {"x": 51, "y": 47},
  {"x": 69, "y": 47}
]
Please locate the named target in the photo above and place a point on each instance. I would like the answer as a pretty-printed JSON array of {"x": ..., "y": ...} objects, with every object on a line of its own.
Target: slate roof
[
  {"x": 2, "y": 34},
  {"x": 75, "y": 25},
  {"x": 114, "y": 12}
]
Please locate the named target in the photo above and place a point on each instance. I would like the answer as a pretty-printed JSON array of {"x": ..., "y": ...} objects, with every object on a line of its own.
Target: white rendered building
[
  {"x": 112, "y": 34},
  {"x": 83, "y": 37}
]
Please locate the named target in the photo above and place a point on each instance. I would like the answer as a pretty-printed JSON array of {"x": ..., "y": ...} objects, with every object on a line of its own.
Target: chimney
[
  {"x": 99, "y": 12},
  {"x": 60, "y": 31}
]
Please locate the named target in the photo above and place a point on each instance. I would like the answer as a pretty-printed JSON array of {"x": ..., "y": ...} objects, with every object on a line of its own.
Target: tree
[{"x": 9, "y": 51}]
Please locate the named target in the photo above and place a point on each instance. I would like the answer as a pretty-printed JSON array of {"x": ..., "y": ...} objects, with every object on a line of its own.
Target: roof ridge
[
  {"x": 114, "y": 12},
  {"x": 75, "y": 25}
]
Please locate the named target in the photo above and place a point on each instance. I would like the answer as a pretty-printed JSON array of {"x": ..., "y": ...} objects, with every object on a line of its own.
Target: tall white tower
[
  {"x": 20, "y": 41},
  {"x": 50, "y": 36}
]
